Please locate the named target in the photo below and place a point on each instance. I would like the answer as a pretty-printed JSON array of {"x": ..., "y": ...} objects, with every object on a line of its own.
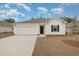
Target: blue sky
[{"x": 25, "y": 11}]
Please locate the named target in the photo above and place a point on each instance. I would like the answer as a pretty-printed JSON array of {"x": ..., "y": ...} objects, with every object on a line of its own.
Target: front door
[{"x": 41, "y": 29}]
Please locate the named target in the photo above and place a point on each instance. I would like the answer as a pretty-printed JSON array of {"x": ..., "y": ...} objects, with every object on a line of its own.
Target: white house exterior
[
  {"x": 55, "y": 22},
  {"x": 24, "y": 28},
  {"x": 48, "y": 27}
]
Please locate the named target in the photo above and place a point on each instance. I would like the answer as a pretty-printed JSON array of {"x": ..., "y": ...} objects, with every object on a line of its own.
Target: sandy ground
[
  {"x": 57, "y": 46},
  {"x": 17, "y": 45},
  {"x": 4, "y": 35}
]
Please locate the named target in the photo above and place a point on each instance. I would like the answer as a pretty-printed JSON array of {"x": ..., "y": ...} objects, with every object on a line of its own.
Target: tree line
[
  {"x": 10, "y": 20},
  {"x": 67, "y": 19}
]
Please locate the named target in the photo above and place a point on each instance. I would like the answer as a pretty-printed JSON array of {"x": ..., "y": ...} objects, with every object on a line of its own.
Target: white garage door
[{"x": 26, "y": 30}]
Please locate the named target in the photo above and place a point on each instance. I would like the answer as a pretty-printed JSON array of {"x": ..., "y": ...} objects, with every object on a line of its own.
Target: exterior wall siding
[{"x": 55, "y": 22}]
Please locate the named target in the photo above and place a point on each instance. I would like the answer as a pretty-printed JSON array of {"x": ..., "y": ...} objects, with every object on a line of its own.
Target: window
[{"x": 54, "y": 28}]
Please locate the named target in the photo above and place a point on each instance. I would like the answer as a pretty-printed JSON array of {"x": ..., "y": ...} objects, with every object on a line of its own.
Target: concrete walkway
[{"x": 18, "y": 45}]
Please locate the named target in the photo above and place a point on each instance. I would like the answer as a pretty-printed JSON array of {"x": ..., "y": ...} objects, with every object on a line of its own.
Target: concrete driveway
[{"x": 17, "y": 45}]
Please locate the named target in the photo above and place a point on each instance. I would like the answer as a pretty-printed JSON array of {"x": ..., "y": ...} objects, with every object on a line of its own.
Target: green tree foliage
[
  {"x": 67, "y": 19},
  {"x": 10, "y": 20}
]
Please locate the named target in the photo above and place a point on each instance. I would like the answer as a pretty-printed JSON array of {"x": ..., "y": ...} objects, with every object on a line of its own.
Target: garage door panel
[{"x": 26, "y": 30}]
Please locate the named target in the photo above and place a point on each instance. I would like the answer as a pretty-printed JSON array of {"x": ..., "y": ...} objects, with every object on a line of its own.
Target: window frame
[{"x": 54, "y": 28}]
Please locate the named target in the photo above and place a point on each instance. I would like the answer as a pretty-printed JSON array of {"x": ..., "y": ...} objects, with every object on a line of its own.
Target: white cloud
[
  {"x": 57, "y": 10},
  {"x": 2, "y": 11},
  {"x": 16, "y": 19},
  {"x": 7, "y": 6},
  {"x": 12, "y": 13},
  {"x": 1, "y": 6},
  {"x": 27, "y": 8},
  {"x": 42, "y": 9},
  {"x": 2, "y": 16},
  {"x": 22, "y": 14}
]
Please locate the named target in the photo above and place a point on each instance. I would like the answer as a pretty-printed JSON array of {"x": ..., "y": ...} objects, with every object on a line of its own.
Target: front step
[{"x": 41, "y": 35}]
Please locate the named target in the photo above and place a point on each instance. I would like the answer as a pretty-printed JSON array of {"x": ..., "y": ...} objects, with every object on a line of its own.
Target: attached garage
[{"x": 26, "y": 29}]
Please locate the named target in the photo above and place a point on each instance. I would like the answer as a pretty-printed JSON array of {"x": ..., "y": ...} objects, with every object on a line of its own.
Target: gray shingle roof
[{"x": 37, "y": 21}]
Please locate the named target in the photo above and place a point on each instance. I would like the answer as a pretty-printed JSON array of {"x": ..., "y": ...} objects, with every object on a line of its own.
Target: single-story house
[
  {"x": 5, "y": 27},
  {"x": 54, "y": 26}
]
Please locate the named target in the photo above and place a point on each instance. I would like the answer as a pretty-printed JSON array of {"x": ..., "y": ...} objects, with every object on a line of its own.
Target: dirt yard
[
  {"x": 57, "y": 46},
  {"x": 3, "y": 35}
]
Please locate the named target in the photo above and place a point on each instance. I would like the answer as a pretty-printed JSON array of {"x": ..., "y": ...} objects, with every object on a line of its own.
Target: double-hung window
[{"x": 54, "y": 28}]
